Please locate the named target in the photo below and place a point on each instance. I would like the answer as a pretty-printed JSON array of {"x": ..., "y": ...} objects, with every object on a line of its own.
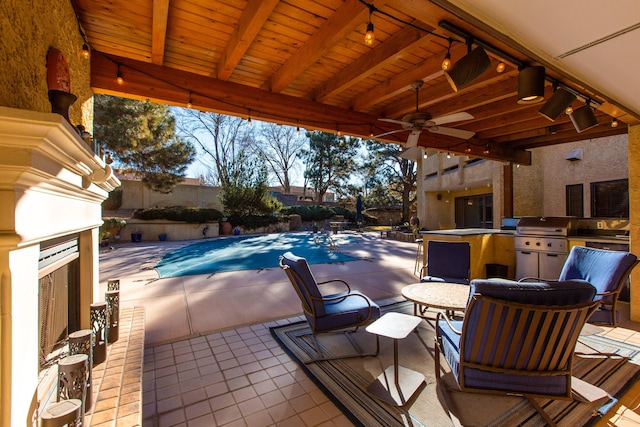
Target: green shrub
[
  {"x": 251, "y": 222},
  {"x": 180, "y": 213}
]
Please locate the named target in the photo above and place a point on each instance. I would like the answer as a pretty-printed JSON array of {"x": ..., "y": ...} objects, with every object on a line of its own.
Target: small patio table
[{"x": 396, "y": 384}]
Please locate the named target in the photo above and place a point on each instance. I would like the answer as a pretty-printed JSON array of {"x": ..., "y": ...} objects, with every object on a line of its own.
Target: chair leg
[
  {"x": 417, "y": 269},
  {"x": 541, "y": 411}
]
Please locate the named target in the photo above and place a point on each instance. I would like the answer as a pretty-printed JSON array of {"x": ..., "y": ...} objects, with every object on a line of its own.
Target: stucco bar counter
[{"x": 488, "y": 246}]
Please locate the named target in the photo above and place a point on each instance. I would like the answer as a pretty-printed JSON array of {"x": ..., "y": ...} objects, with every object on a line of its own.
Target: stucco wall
[
  {"x": 29, "y": 28},
  {"x": 135, "y": 195},
  {"x": 540, "y": 189}
]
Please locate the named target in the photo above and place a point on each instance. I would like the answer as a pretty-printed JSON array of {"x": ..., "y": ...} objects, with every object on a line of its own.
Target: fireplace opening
[{"x": 59, "y": 297}]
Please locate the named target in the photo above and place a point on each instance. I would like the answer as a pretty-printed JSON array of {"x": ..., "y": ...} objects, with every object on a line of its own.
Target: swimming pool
[{"x": 249, "y": 253}]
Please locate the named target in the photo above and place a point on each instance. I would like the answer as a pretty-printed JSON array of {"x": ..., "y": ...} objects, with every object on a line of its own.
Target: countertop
[{"x": 460, "y": 232}]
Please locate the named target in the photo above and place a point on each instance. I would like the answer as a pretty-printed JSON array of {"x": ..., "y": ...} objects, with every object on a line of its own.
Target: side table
[{"x": 396, "y": 384}]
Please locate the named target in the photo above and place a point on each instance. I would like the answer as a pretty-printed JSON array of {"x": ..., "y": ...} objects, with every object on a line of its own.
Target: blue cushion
[
  {"x": 539, "y": 293},
  {"x": 353, "y": 308},
  {"x": 604, "y": 269},
  {"x": 448, "y": 260}
]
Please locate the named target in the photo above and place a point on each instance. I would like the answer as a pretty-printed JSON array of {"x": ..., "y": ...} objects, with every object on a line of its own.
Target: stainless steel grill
[{"x": 541, "y": 245}]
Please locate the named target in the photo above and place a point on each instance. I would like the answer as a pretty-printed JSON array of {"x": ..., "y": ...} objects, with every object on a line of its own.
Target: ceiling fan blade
[
  {"x": 399, "y": 122},
  {"x": 450, "y": 118},
  {"x": 413, "y": 153},
  {"x": 412, "y": 140},
  {"x": 457, "y": 133},
  {"x": 388, "y": 133}
]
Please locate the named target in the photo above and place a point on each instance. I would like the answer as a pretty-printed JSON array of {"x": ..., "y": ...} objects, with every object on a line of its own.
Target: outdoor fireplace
[{"x": 52, "y": 186}]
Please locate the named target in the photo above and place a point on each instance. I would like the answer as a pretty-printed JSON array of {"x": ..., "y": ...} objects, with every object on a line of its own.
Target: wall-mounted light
[
  {"x": 531, "y": 85},
  {"x": 446, "y": 62},
  {"x": 557, "y": 104},
  {"x": 119, "y": 77},
  {"x": 369, "y": 36},
  {"x": 583, "y": 117},
  {"x": 86, "y": 53},
  {"x": 468, "y": 68}
]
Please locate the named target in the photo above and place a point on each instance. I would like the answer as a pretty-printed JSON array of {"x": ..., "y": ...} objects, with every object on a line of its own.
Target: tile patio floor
[{"x": 209, "y": 357}]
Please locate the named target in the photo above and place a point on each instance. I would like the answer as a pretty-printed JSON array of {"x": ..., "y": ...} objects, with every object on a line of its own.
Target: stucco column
[{"x": 634, "y": 215}]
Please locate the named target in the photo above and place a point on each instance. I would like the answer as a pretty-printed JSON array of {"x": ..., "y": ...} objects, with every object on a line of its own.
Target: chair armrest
[
  {"x": 442, "y": 314},
  {"x": 336, "y": 280}
]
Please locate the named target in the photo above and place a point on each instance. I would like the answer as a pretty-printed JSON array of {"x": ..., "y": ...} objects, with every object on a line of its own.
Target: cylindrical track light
[
  {"x": 583, "y": 118},
  {"x": 557, "y": 104},
  {"x": 468, "y": 68},
  {"x": 531, "y": 85}
]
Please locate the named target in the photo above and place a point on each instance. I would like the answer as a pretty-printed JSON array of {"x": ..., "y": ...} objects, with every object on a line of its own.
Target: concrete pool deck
[{"x": 189, "y": 306}]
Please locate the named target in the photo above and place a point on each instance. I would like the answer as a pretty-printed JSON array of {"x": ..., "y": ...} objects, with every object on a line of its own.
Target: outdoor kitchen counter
[
  {"x": 488, "y": 246},
  {"x": 598, "y": 241}
]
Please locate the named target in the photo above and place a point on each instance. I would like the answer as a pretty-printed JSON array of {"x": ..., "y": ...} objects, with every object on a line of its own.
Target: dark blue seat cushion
[
  {"x": 538, "y": 293},
  {"x": 353, "y": 308}
]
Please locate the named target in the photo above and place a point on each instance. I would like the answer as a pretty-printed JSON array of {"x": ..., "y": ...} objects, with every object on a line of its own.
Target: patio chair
[
  {"x": 516, "y": 338},
  {"x": 348, "y": 309},
  {"x": 447, "y": 262},
  {"x": 606, "y": 270}
]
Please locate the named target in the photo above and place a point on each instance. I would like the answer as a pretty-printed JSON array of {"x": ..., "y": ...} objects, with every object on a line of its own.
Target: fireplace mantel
[{"x": 51, "y": 183}]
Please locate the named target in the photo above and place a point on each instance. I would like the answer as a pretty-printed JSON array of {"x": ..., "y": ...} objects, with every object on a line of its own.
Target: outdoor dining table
[{"x": 446, "y": 296}]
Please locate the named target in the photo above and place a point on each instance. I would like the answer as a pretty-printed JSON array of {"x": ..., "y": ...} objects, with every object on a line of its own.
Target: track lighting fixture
[
  {"x": 119, "y": 78},
  {"x": 369, "y": 36},
  {"x": 486, "y": 150},
  {"x": 468, "y": 68},
  {"x": 557, "y": 104},
  {"x": 583, "y": 117},
  {"x": 85, "y": 51},
  {"x": 614, "y": 123},
  {"x": 446, "y": 62},
  {"x": 531, "y": 85},
  {"x": 189, "y": 103}
]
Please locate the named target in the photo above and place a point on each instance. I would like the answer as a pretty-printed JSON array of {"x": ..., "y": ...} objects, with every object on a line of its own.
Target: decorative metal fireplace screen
[{"x": 58, "y": 297}]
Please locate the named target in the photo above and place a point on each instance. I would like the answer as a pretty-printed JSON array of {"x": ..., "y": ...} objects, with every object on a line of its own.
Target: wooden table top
[{"x": 442, "y": 295}]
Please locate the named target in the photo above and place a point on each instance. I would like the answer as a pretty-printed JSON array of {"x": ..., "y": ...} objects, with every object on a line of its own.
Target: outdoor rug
[
  {"x": 345, "y": 380},
  {"x": 252, "y": 253}
]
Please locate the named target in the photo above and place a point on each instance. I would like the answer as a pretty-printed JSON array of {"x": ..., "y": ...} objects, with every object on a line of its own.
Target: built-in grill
[{"x": 541, "y": 245}]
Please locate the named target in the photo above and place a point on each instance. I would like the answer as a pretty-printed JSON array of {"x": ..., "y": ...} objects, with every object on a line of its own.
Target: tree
[
  {"x": 388, "y": 173},
  {"x": 141, "y": 137},
  {"x": 247, "y": 191},
  {"x": 280, "y": 147},
  {"x": 329, "y": 161},
  {"x": 220, "y": 139}
]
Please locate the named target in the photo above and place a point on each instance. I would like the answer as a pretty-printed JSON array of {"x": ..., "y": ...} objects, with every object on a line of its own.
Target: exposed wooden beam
[
  {"x": 344, "y": 21},
  {"x": 368, "y": 64},
  {"x": 253, "y": 18},
  {"x": 159, "y": 30}
]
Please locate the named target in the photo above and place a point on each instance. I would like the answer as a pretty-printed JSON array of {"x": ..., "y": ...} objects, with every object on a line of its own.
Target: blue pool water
[{"x": 247, "y": 253}]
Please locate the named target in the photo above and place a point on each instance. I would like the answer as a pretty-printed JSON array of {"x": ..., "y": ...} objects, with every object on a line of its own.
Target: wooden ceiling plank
[
  {"x": 159, "y": 31},
  {"x": 251, "y": 21},
  {"x": 368, "y": 63},
  {"x": 351, "y": 15}
]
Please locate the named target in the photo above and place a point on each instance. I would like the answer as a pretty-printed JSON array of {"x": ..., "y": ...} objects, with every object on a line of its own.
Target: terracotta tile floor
[{"x": 209, "y": 359}]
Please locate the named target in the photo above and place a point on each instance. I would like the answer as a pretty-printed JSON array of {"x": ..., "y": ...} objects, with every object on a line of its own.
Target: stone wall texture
[{"x": 29, "y": 28}]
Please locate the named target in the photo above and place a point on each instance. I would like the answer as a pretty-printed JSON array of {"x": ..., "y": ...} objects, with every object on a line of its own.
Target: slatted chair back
[
  {"x": 512, "y": 342},
  {"x": 448, "y": 262}
]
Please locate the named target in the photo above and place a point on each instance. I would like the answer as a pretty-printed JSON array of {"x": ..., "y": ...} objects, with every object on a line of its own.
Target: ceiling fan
[{"x": 416, "y": 122}]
